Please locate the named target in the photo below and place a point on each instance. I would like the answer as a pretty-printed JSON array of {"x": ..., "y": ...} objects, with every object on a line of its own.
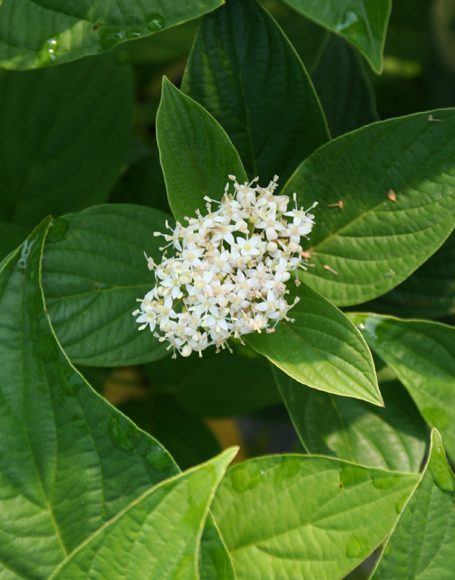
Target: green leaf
[
  {"x": 422, "y": 354},
  {"x": 216, "y": 385},
  {"x": 183, "y": 434},
  {"x": 373, "y": 243},
  {"x": 362, "y": 22},
  {"x": 214, "y": 560},
  {"x": 321, "y": 349},
  {"x": 295, "y": 516},
  {"x": 62, "y": 482},
  {"x": 346, "y": 93},
  {"x": 94, "y": 270},
  {"x": 393, "y": 437},
  {"x": 155, "y": 536},
  {"x": 64, "y": 132},
  {"x": 429, "y": 292},
  {"x": 421, "y": 545},
  {"x": 36, "y": 33},
  {"x": 85, "y": 439},
  {"x": 195, "y": 152},
  {"x": 246, "y": 73}
]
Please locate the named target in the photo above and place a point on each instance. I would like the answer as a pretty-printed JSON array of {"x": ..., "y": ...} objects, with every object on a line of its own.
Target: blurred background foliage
[{"x": 189, "y": 404}]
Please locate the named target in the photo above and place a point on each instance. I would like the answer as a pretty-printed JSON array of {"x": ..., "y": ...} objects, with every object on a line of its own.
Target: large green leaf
[
  {"x": 321, "y": 348},
  {"x": 63, "y": 134},
  {"x": 429, "y": 292},
  {"x": 393, "y": 437},
  {"x": 246, "y": 73},
  {"x": 362, "y": 22},
  {"x": 295, "y": 516},
  {"x": 195, "y": 152},
  {"x": 422, "y": 543},
  {"x": 396, "y": 180},
  {"x": 422, "y": 354},
  {"x": 155, "y": 536},
  {"x": 35, "y": 33},
  {"x": 94, "y": 270},
  {"x": 216, "y": 385},
  {"x": 62, "y": 481},
  {"x": 345, "y": 91}
]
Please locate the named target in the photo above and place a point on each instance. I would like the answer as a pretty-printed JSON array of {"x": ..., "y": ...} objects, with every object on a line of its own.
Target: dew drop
[
  {"x": 52, "y": 45},
  {"x": 155, "y": 22},
  {"x": 349, "y": 20},
  {"x": 157, "y": 458},
  {"x": 110, "y": 36},
  {"x": 122, "y": 433},
  {"x": 383, "y": 482},
  {"x": 72, "y": 384},
  {"x": 132, "y": 34},
  {"x": 98, "y": 24},
  {"x": 357, "y": 547},
  {"x": 246, "y": 478},
  {"x": 58, "y": 230}
]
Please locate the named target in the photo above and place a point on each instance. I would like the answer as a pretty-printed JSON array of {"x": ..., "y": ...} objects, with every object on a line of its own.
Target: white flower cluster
[{"x": 228, "y": 272}]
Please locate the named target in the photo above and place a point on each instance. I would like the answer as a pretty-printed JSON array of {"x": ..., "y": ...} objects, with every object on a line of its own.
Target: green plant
[{"x": 365, "y": 367}]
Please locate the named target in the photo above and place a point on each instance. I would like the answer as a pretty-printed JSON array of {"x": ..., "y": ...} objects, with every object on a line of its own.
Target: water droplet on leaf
[
  {"x": 158, "y": 459},
  {"x": 52, "y": 45},
  {"x": 122, "y": 433},
  {"x": 98, "y": 24},
  {"x": 110, "y": 36},
  {"x": 350, "y": 19},
  {"x": 155, "y": 22},
  {"x": 58, "y": 230},
  {"x": 357, "y": 547}
]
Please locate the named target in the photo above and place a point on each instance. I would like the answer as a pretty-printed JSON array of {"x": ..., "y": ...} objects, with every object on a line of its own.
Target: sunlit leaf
[
  {"x": 421, "y": 545},
  {"x": 362, "y": 22},
  {"x": 94, "y": 271},
  {"x": 320, "y": 348},
  {"x": 146, "y": 538},
  {"x": 295, "y": 516},
  {"x": 422, "y": 354},
  {"x": 386, "y": 196},
  {"x": 196, "y": 154},
  {"x": 393, "y": 437},
  {"x": 246, "y": 73}
]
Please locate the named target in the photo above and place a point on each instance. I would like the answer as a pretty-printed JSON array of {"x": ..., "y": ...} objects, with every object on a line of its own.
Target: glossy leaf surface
[
  {"x": 94, "y": 270},
  {"x": 396, "y": 182},
  {"x": 429, "y": 292},
  {"x": 422, "y": 354},
  {"x": 321, "y": 349},
  {"x": 43, "y": 32},
  {"x": 298, "y": 516},
  {"x": 346, "y": 93},
  {"x": 246, "y": 73},
  {"x": 421, "y": 545},
  {"x": 195, "y": 152},
  {"x": 64, "y": 132},
  {"x": 393, "y": 437},
  {"x": 362, "y": 22},
  {"x": 62, "y": 482},
  {"x": 146, "y": 539}
]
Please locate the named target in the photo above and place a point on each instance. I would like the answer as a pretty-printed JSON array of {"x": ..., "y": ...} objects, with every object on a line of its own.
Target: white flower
[{"x": 228, "y": 274}]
